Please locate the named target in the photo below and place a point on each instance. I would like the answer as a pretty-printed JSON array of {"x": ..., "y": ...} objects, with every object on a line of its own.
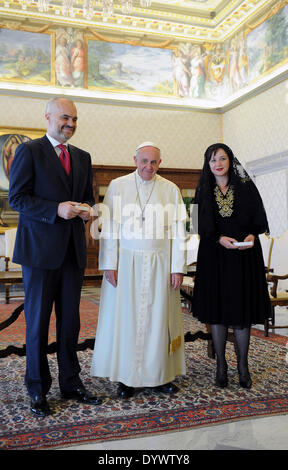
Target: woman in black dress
[{"x": 230, "y": 285}]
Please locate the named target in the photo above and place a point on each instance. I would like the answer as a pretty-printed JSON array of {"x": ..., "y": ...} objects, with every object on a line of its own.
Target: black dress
[{"x": 230, "y": 285}]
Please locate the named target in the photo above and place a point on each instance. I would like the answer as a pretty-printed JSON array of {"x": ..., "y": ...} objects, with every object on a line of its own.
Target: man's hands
[{"x": 68, "y": 210}]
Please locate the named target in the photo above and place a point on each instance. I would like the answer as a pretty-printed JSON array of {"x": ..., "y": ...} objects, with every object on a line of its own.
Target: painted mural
[
  {"x": 25, "y": 56},
  {"x": 122, "y": 67},
  {"x": 70, "y": 58},
  {"x": 200, "y": 70},
  {"x": 211, "y": 71},
  {"x": 267, "y": 45}
]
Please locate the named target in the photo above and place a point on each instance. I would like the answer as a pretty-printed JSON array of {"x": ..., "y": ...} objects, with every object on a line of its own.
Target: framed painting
[
  {"x": 131, "y": 69},
  {"x": 26, "y": 57},
  {"x": 10, "y": 138}
]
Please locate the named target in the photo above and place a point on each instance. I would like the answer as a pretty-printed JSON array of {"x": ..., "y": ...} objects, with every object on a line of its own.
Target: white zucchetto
[{"x": 147, "y": 144}]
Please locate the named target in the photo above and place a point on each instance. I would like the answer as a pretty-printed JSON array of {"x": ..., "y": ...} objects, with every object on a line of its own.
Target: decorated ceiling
[
  {"x": 185, "y": 20},
  {"x": 200, "y": 53}
]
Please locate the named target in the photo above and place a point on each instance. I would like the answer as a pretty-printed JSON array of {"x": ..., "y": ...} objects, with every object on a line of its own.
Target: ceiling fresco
[
  {"x": 200, "y": 53},
  {"x": 181, "y": 20}
]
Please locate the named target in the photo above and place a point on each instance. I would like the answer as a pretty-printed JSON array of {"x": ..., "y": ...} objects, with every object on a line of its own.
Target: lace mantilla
[{"x": 224, "y": 202}]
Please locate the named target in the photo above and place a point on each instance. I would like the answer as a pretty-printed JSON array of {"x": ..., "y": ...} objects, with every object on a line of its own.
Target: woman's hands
[
  {"x": 249, "y": 238},
  {"x": 227, "y": 242}
]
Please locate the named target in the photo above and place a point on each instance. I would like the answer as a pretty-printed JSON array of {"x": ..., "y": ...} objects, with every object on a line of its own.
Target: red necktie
[{"x": 65, "y": 158}]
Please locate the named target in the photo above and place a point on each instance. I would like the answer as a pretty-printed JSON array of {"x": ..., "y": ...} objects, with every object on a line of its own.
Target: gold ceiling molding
[
  {"x": 20, "y": 26},
  {"x": 157, "y": 37},
  {"x": 197, "y": 21},
  {"x": 270, "y": 13},
  {"x": 139, "y": 42}
]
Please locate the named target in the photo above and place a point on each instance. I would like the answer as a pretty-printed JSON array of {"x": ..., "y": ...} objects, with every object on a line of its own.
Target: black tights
[{"x": 242, "y": 340}]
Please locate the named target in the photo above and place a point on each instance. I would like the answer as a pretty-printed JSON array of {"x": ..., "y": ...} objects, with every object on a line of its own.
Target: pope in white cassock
[{"x": 139, "y": 340}]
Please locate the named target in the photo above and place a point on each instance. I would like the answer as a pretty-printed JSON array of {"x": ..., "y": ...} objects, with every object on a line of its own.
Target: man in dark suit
[{"x": 51, "y": 188}]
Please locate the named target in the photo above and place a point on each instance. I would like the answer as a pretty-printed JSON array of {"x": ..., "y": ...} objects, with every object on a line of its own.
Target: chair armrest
[
  {"x": 268, "y": 270},
  {"x": 6, "y": 259},
  {"x": 191, "y": 269},
  {"x": 274, "y": 278}
]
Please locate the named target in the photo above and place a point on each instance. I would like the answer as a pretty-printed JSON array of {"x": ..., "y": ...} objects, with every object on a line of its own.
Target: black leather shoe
[
  {"x": 81, "y": 395},
  {"x": 168, "y": 388},
  {"x": 124, "y": 391},
  {"x": 39, "y": 406}
]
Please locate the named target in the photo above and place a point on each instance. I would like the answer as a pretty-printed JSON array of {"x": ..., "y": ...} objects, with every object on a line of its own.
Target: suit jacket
[{"x": 38, "y": 183}]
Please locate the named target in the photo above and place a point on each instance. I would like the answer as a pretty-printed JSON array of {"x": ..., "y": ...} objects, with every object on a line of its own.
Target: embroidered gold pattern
[
  {"x": 224, "y": 202},
  {"x": 175, "y": 344}
]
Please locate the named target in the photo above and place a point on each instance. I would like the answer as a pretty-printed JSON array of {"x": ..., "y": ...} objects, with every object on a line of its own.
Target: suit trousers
[{"x": 43, "y": 288}]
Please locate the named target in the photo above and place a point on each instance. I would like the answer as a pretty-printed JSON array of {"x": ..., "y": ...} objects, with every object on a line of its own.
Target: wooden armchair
[
  {"x": 7, "y": 285},
  {"x": 277, "y": 279},
  {"x": 10, "y": 267},
  {"x": 188, "y": 286},
  {"x": 188, "y": 280},
  {"x": 277, "y": 297}
]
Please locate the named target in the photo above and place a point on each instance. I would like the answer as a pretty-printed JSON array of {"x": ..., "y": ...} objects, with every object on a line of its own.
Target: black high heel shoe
[
  {"x": 245, "y": 380},
  {"x": 221, "y": 376}
]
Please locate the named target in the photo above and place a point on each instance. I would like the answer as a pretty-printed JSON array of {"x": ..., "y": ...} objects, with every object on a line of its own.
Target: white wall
[
  {"x": 111, "y": 133},
  {"x": 258, "y": 130},
  {"x": 255, "y": 129},
  {"x": 258, "y": 127}
]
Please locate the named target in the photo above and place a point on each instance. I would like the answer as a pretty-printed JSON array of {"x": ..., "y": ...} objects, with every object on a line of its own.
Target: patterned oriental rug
[{"x": 198, "y": 403}]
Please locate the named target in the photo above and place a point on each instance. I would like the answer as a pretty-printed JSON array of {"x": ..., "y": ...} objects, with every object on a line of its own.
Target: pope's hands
[
  {"x": 176, "y": 280},
  {"x": 111, "y": 276}
]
